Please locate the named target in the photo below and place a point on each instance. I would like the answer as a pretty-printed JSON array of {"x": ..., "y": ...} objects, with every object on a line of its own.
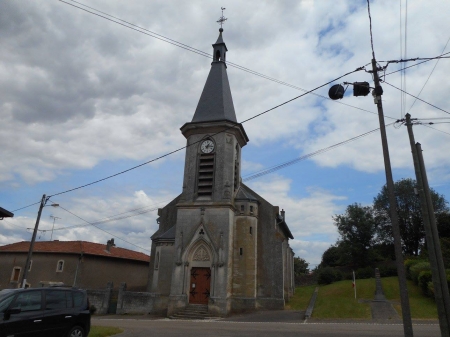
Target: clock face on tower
[{"x": 207, "y": 146}]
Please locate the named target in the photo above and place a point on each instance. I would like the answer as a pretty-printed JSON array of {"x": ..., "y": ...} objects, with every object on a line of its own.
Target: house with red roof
[{"x": 73, "y": 263}]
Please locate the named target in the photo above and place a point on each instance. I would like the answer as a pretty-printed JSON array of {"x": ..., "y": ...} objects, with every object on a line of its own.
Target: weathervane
[{"x": 222, "y": 19}]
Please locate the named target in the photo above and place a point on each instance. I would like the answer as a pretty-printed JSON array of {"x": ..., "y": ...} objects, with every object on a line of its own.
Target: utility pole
[
  {"x": 33, "y": 238},
  {"x": 434, "y": 250},
  {"x": 406, "y": 312}
]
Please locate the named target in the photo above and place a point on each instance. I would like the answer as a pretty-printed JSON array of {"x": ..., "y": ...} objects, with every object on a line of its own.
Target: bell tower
[
  {"x": 205, "y": 211},
  {"x": 214, "y": 138}
]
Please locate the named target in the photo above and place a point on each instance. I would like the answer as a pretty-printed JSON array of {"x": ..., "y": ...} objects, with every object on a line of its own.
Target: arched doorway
[{"x": 200, "y": 274}]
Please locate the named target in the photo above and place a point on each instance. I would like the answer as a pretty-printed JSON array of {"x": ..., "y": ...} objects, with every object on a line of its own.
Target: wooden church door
[{"x": 200, "y": 285}]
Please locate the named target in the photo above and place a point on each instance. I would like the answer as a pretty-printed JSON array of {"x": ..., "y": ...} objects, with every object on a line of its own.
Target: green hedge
[{"x": 417, "y": 268}]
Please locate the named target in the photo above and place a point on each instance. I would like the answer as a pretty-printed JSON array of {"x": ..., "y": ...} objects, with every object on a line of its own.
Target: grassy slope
[
  {"x": 421, "y": 306},
  {"x": 337, "y": 300}
]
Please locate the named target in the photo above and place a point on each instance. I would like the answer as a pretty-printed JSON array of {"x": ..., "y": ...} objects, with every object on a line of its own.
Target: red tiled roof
[{"x": 75, "y": 247}]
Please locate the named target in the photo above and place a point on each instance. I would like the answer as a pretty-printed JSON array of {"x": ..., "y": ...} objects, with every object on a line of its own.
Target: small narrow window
[
  {"x": 60, "y": 266},
  {"x": 15, "y": 274},
  {"x": 29, "y": 266},
  {"x": 241, "y": 251},
  {"x": 218, "y": 55},
  {"x": 251, "y": 230},
  {"x": 242, "y": 208},
  {"x": 157, "y": 261},
  {"x": 251, "y": 209}
]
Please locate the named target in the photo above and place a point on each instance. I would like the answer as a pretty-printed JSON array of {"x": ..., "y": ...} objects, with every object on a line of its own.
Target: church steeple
[{"x": 216, "y": 103}]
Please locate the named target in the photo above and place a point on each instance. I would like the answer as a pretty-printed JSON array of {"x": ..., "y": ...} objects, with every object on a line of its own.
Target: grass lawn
[
  {"x": 421, "y": 306},
  {"x": 103, "y": 331},
  {"x": 301, "y": 298},
  {"x": 336, "y": 300}
]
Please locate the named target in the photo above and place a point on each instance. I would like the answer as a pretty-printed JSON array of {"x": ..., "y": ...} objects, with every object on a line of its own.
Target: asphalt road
[{"x": 141, "y": 327}]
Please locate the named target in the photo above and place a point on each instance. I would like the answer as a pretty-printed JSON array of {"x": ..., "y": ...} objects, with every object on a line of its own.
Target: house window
[
  {"x": 157, "y": 261},
  {"x": 242, "y": 208},
  {"x": 251, "y": 209},
  {"x": 15, "y": 274},
  {"x": 60, "y": 266},
  {"x": 29, "y": 266}
]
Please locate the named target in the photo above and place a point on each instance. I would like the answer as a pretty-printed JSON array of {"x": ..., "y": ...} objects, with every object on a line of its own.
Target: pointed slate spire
[{"x": 216, "y": 102}]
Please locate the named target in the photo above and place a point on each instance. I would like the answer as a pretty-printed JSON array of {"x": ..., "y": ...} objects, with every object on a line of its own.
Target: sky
[{"x": 83, "y": 98}]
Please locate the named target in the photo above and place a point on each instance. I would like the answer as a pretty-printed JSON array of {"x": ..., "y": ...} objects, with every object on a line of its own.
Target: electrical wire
[
  {"x": 436, "y": 129},
  {"x": 194, "y": 143},
  {"x": 198, "y": 51},
  {"x": 307, "y": 156},
  {"x": 431, "y": 73},
  {"x": 115, "y": 236},
  {"x": 434, "y": 106},
  {"x": 7, "y": 222}
]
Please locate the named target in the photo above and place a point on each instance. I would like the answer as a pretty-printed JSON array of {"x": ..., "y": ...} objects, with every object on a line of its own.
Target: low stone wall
[
  {"x": 100, "y": 299},
  {"x": 130, "y": 302}
]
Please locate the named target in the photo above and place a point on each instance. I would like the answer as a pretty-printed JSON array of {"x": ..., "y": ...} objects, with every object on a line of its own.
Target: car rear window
[
  {"x": 78, "y": 298},
  {"x": 57, "y": 299}
]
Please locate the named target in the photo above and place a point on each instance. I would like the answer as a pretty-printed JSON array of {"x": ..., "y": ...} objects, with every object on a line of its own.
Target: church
[{"x": 219, "y": 243}]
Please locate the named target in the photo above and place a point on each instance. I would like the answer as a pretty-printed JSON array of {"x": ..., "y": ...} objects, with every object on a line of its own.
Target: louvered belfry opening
[{"x": 205, "y": 175}]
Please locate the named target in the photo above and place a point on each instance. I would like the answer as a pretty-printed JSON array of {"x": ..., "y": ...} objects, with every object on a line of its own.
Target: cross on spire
[{"x": 222, "y": 19}]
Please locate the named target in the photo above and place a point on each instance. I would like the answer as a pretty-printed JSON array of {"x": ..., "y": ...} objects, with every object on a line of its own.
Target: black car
[{"x": 36, "y": 312}]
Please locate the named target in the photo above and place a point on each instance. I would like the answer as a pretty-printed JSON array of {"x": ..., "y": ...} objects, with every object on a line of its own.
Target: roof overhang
[
  {"x": 215, "y": 127},
  {"x": 5, "y": 214}
]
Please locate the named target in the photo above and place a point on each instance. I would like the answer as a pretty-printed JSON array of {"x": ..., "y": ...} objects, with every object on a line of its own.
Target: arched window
[
  {"x": 218, "y": 55},
  {"x": 60, "y": 266}
]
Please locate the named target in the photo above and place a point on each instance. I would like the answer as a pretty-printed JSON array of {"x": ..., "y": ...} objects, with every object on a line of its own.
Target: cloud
[{"x": 83, "y": 98}]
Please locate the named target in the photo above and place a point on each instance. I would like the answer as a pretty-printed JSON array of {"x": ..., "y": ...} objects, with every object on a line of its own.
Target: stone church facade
[{"x": 219, "y": 243}]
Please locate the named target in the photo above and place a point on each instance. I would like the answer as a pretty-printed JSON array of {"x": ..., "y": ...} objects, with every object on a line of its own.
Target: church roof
[
  {"x": 245, "y": 194},
  {"x": 216, "y": 102},
  {"x": 168, "y": 235}
]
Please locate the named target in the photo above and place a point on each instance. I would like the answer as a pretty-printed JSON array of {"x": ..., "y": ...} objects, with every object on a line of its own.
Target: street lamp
[{"x": 33, "y": 238}]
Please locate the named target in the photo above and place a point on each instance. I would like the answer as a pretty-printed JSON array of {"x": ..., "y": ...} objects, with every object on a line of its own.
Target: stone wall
[
  {"x": 100, "y": 299},
  {"x": 130, "y": 302}
]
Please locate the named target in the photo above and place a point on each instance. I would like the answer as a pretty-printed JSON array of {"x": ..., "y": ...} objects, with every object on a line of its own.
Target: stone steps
[{"x": 194, "y": 312}]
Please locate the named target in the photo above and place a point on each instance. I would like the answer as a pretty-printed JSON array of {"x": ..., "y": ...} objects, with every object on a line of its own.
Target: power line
[
  {"x": 307, "y": 156},
  {"x": 197, "y": 51},
  {"x": 117, "y": 237},
  {"x": 431, "y": 73},
  {"x": 434, "y": 106},
  {"x": 26, "y": 206},
  {"x": 184, "y": 147},
  {"x": 413, "y": 65}
]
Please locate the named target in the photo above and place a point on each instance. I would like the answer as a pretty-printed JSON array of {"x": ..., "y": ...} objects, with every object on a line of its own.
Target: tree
[
  {"x": 300, "y": 266},
  {"x": 356, "y": 228},
  {"x": 409, "y": 215}
]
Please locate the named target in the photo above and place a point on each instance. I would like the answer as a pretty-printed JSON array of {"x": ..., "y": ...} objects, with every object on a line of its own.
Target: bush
[
  {"x": 366, "y": 272},
  {"x": 92, "y": 309},
  {"x": 423, "y": 280},
  {"x": 408, "y": 264},
  {"x": 388, "y": 270},
  {"x": 328, "y": 275},
  {"x": 416, "y": 269}
]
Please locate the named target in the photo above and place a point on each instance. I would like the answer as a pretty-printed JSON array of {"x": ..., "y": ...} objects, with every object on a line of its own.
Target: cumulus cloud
[{"x": 79, "y": 91}]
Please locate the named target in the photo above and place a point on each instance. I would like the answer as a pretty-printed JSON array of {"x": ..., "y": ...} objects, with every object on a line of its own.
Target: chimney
[
  {"x": 282, "y": 215},
  {"x": 109, "y": 244}
]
